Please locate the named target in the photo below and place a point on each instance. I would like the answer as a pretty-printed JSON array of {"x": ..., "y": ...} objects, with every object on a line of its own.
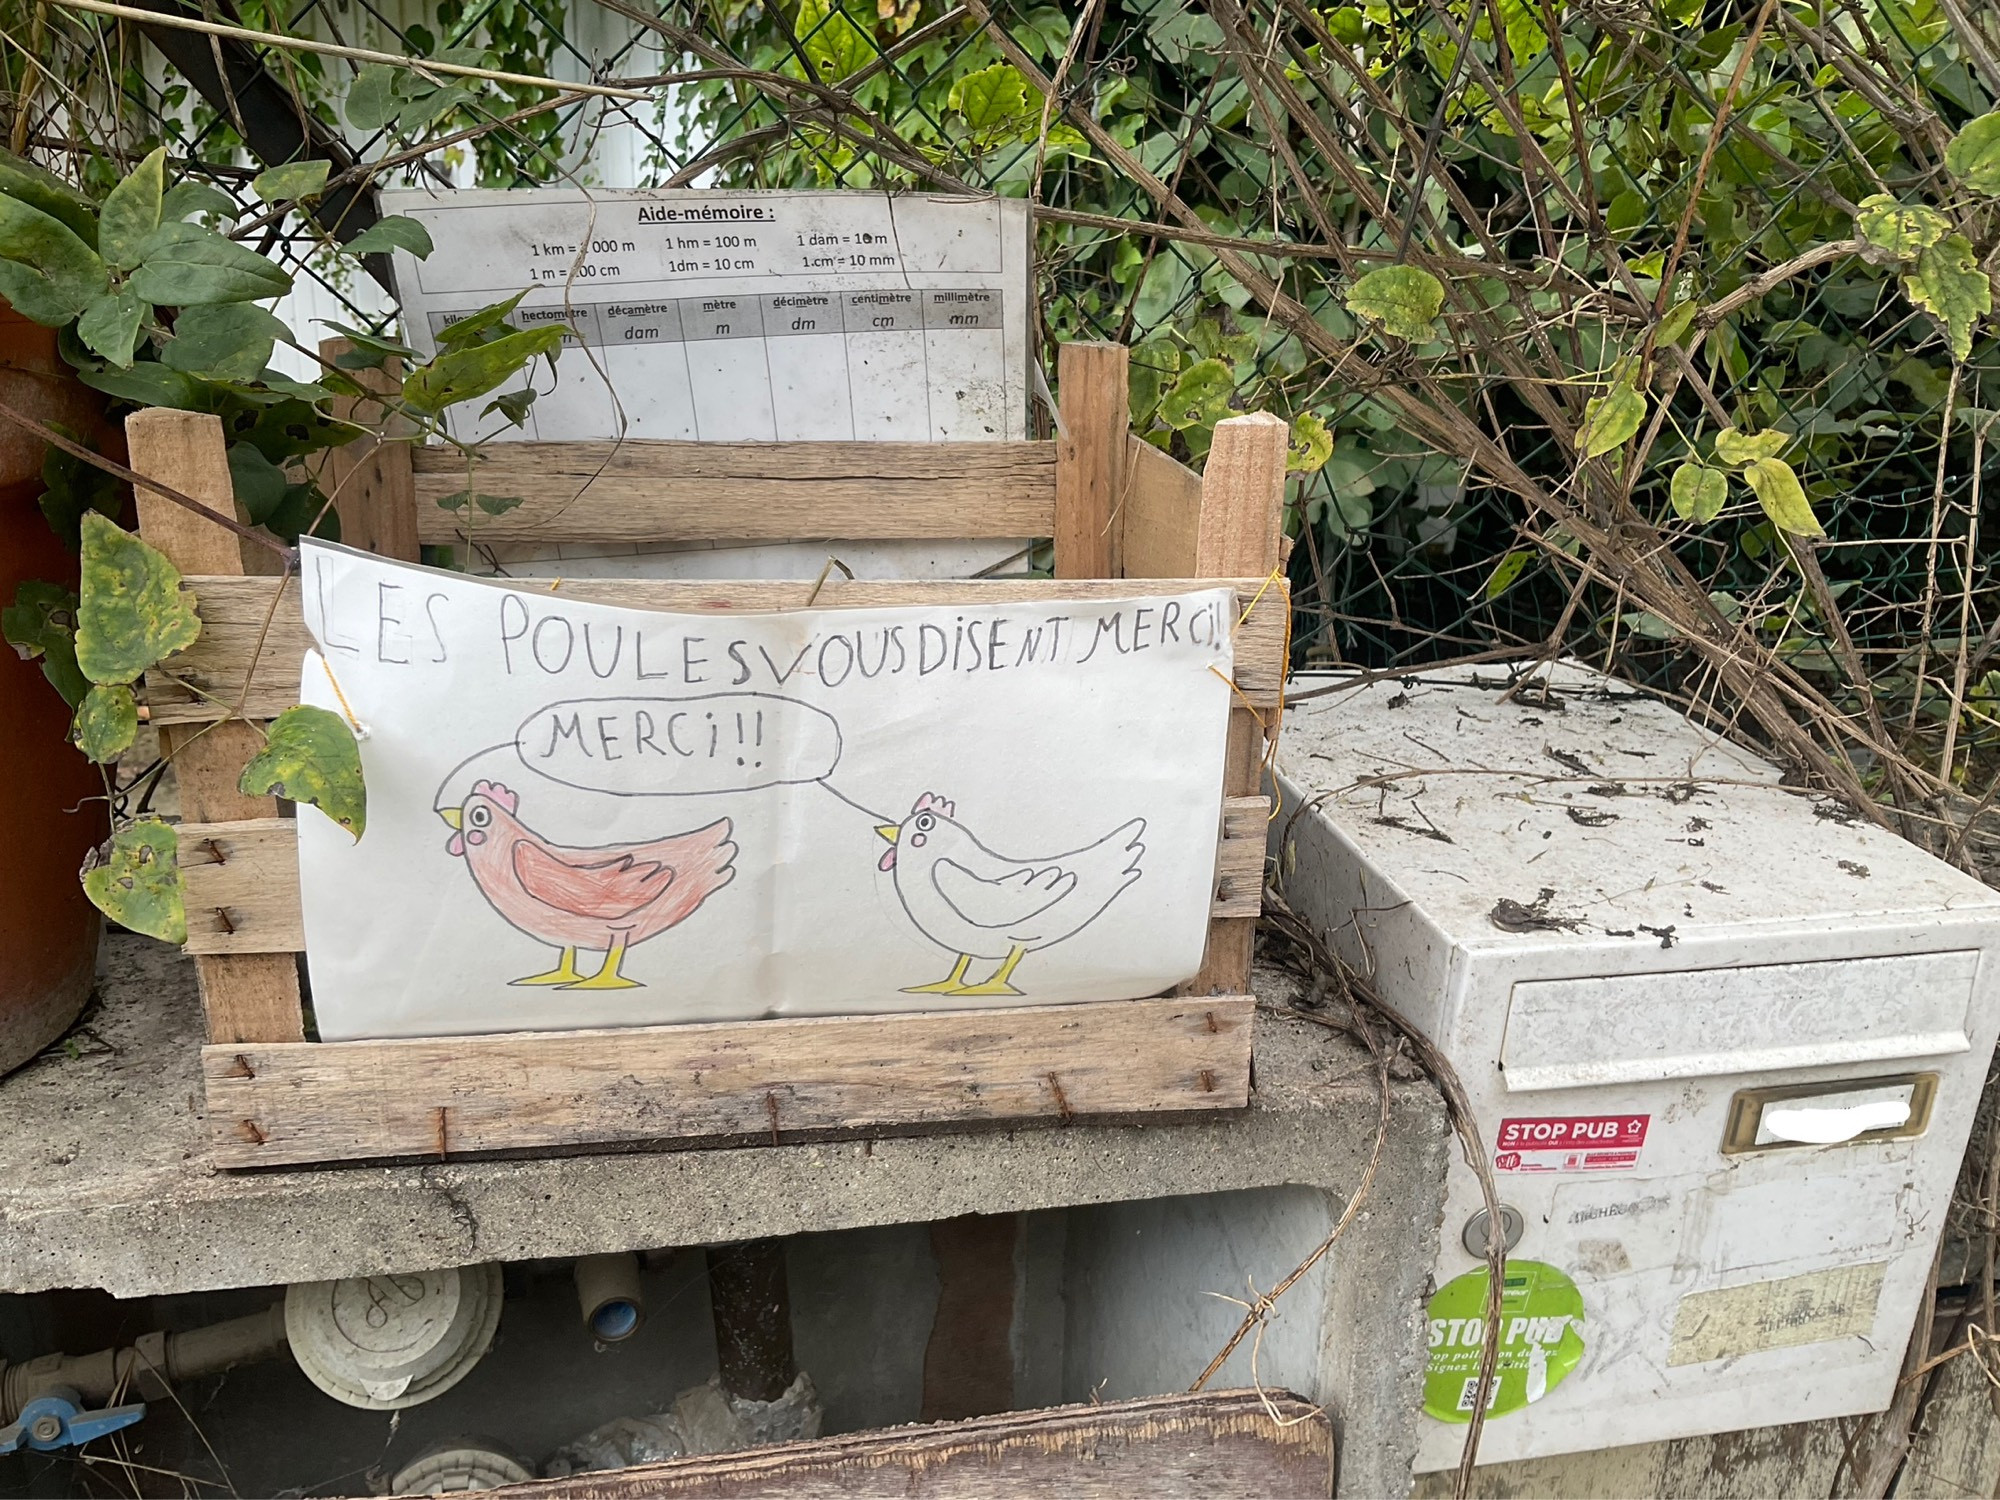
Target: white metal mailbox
[{"x": 1725, "y": 1040}]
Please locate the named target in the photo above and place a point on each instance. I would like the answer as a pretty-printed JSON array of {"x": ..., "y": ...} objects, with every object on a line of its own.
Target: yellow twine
[{"x": 346, "y": 708}]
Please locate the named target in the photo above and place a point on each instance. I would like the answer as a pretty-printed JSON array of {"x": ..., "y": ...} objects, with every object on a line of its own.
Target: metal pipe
[{"x": 752, "y": 1306}]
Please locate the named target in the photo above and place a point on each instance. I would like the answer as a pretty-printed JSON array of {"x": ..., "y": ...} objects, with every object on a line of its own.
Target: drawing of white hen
[{"x": 978, "y": 904}]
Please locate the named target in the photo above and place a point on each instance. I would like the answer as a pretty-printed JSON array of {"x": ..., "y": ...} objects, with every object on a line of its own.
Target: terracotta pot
[{"x": 48, "y": 929}]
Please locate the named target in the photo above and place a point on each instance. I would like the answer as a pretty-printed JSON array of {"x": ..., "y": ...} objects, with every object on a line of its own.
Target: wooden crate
[{"x": 1121, "y": 513}]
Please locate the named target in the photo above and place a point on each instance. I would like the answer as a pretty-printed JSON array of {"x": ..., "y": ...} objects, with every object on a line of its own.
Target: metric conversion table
[{"x": 739, "y": 317}]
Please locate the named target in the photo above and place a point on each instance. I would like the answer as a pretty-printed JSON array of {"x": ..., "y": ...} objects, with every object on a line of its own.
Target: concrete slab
[{"x": 103, "y": 1183}]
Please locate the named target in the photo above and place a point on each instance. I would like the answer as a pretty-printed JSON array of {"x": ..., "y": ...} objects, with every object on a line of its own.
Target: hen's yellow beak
[
  {"x": 888, "y": 830},
  {"x": 450, "y": 816}
]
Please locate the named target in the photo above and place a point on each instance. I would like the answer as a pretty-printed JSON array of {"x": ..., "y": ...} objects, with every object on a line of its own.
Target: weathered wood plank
[
  {"x": 1160, "y": 516},
  {"x": 1090, "y": 458},
  {"x": 757, "y": 1080},
  {"x": 245, "y": 996},
  {"x": 242, "y": 886},
  {"x": 370, "y": 480},
  {"x": 1241, "y": 533},
  {"x": 656, "y": 491},
  {"x": 233, "y": 612},
  {"x": 1239, "y": 859},
  {"x": 1243, "y": 1445},
  {"x": 243, "y": 879}
]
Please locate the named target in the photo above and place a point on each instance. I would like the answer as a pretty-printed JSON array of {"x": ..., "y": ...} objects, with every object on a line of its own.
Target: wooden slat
[
  {"x": 370, "y": 480},
  {"x": 747, "y": 1081},
  {"x": 242, "y": 886},
  {"x": 249, "y": 996},
  {"x": 1239, "y": 859},
  {"x": 1160, "y": 515},
  {"x": 234, "y": 610},
  {"x": 1243, "y": 497},
  {"x": 243, "y": 879},
  {"x": 1090, "y": 458},
  {"x": 1221, "y": 1445},
  {"x": 654, "y": 491},
  {"x": 1241, "y": 533}
]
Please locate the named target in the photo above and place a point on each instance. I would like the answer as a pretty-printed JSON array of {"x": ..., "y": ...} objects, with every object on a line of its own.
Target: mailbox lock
[{"x": 1511, "y": 1227}]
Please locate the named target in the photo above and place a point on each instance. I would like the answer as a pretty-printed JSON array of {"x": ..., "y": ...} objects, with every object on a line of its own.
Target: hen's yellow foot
[
  {"x": 605, "y": 981},
  {"x": 607, "y": 976},
  {"x": 565, "y": 972},
  {"x": 951, "y": 984},
  {"x": 998, "y": 984}
]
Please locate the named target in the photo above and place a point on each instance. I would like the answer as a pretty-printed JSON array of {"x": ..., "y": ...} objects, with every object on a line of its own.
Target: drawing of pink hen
[{"x": 608, "y": 898}]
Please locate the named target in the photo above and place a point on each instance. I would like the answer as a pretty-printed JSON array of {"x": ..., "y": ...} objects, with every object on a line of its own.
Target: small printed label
[
  {"x": 1815, "y": 1308},
  {"x": 1571, "y": 1143}
]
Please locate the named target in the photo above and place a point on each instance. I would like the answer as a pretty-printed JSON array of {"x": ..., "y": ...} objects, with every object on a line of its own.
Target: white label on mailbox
[{"x": 1571, "y": 1143}]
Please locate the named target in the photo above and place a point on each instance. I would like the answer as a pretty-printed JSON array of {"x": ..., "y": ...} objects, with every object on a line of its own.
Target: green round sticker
[{"x": 1541, "y": 1339}]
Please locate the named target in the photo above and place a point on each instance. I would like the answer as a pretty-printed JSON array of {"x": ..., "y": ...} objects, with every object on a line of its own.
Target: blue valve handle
[{"x": 56, "y": 1419}]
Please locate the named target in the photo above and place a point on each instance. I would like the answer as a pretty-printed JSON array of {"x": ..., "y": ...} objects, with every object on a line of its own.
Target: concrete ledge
[{"x": 104, "y": 1183}]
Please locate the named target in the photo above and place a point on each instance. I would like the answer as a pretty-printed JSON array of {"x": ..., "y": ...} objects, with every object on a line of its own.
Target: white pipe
[{"x": 609, "y": 1296}]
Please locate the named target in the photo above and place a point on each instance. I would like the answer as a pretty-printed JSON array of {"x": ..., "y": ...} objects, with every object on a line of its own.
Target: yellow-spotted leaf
[
  {"x": 1905, "y": 230},
  {"x": 1698, "y": 492},
  {"x": 1778, "y": 490},
  {"x": 136, "y": 881},
  {"x": 1734, "y": 447},
  {"x": 1402, "y": 299},
  {"x": 311, "y": 756},
  {"x": 1947, "y": 283},
  {"x": 1311, "y": 445},
  {"x": 1609, "y": 420}
]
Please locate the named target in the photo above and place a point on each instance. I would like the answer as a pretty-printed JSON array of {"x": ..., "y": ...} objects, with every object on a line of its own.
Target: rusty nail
[
  {"x": 251, "y": 1131},
  {"x": 771, "y": 1109},
  {"x": 438, "y": 1122},
  {"x": 222, "y": 919},
  {"x": 240, "y": 1068},
  {"x": 1207, "y": 1076},
  {"x": 215, "y": 854},
  {"x": 1062, "y": 1099},
  {"x": 1213, "y": 1024}
]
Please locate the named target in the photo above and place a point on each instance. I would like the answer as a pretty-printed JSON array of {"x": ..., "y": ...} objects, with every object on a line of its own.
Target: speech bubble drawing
[{"x": 667, "y": 747}]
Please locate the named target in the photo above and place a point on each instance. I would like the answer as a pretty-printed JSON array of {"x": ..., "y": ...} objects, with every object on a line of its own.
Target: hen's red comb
[{"x": 494, "y": 792}]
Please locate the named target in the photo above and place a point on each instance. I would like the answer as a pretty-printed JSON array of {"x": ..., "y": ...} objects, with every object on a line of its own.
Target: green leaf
[
  {"x": 1903, "y": 229},
  {"x": 224, "y": 341},
  {"x": 293, "y": 180},
  {"x": 1510, "y": 568},
  {"x": 1973, "y": 156},
  {"x": 71, "y": 486},
  {"x": 1698, "y": 492},
  {"x": 465, "y": 373},
  {"x": 147, "y": 383},
  {"x": 110, "y": 325},
  {"x": 41, "y": 623},
  {"x": 480, "y": 327},
  {"x": 132, "y": 612},
  {"x": 260, "y": 485},
  {"x": 1609, "y": 420},
  {"x": 372, "y": 100},
  {"x": 1200, "y": 398},
  {"x": 1675, "y": 325},
  {"x": 46, "y": 271},
  {"x": 297, "y": 509},
  {"x": 397, "y": 232},
  {"x": 369, "y": 350},
  {"x": 106, "y": 723},
  {"x": 1734, "y": 447},
  {"x": 311, "y": 756},
  {"x": 188, "y": 197},
  {"x": 1403, "y": 299},
  {"x": 43, "y": 190},
  {"x": 513, "y": 405},
  {"x": 132, "y": 211},
  {"x": 185, "y": 265},
  {"x": 1784, "y": 499},
  {"x": 993, "y": 100},
  {"x": 1946, "y": 282},
  {"x": 137, "y": 881},
  {"x": 1310, "y": 446},
  {"x": 831, "y": 41}
]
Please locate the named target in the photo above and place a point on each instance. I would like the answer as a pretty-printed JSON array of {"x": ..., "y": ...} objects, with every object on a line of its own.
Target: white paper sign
[
  {"x": 741, "y": 317},
  {"x": 581, "y": 815}
]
